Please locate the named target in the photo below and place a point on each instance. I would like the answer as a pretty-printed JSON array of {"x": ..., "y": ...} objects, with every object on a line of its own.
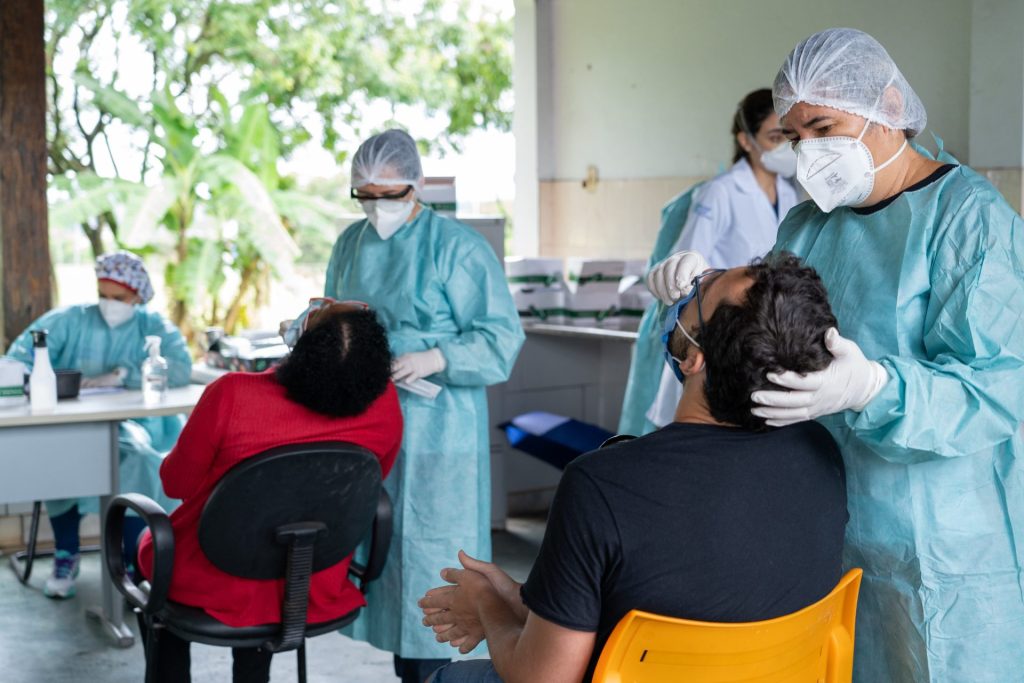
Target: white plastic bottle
[
  {"x": 154, "y": 373},
  {"x": 43, "y": 381}
]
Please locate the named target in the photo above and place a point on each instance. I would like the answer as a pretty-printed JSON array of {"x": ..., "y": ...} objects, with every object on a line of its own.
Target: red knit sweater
[{"x": 239, "y": 416}]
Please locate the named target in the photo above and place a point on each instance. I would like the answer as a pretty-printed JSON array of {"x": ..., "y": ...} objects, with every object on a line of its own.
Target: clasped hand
[{"x": 453, "y": 611}]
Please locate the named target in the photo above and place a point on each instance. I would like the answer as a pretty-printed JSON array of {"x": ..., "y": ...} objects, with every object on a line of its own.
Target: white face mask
[
  {"x": 781, "y": 160},
  {"x": 116, "y": 313},
  {"x": 838, "y": 170},
  {"x": 387, "y": 215}
]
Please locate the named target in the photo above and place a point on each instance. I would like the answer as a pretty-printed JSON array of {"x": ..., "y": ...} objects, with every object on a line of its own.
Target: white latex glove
[
  {"x": 849, "y": 382},
  {"x": 671, "y": 279},
  {"x": 111, "y": 379},
  {"x": 410, "y": 367}
]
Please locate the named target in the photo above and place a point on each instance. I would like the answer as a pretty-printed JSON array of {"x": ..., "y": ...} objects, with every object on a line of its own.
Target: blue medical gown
[
  {"x": 79, "y": 339},
  {"x": 730, "y": 221},
  {"x": 647, "y": 358},
  {"x": 932, "y": 286},
  {"x": 435, "y": 284}
]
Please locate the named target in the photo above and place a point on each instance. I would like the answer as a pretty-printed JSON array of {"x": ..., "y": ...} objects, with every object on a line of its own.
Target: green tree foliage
[{"x": 235, "y": 86}]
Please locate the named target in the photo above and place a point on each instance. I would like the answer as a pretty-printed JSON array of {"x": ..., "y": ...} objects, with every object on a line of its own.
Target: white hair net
[
  {"x": 389, "y": 158},
  {"x": 847, "y": 69}
]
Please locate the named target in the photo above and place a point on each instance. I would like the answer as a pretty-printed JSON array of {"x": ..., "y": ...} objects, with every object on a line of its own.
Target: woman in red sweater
[{"x": 334, "y": 386}]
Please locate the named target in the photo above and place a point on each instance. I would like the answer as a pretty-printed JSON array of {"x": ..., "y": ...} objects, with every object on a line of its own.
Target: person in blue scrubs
[
  {"x": 440, "y": 292},
  {"x": 106, "y": 341},
  {"x": 730, "y": 219},
  {"x": 924, "y": 263}
]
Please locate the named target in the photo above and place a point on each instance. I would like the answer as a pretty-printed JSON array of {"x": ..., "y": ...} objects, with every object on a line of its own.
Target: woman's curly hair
[{"x": 340, "y": 366}]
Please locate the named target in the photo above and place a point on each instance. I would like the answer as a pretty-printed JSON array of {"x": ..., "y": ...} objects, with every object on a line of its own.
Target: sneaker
[{"x": 61, "y": 583}]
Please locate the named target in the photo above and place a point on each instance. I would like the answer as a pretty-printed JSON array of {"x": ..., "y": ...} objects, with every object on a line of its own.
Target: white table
[{"x": 72, "y": 452}]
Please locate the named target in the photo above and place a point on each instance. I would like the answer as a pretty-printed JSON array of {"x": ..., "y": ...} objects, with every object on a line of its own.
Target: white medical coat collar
[{"x": 743, "y": 176}]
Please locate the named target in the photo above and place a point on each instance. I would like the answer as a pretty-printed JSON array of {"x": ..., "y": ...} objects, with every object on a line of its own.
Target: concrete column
[
  {"x": 526, "y": 207},
  {"x": 996, "y": 128}
]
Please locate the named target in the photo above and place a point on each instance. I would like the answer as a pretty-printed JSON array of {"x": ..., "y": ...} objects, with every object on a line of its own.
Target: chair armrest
[
  {"x": 380, "y": 542},
  {"x": 163, "y": 550}
]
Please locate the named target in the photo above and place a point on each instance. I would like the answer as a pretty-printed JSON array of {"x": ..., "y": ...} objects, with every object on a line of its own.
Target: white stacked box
[
  {"x": 538, "y": 289},
  {"x": 594, "y": 290},
  {"x": 633, "y": 301},
  {"x": 633, "y": 297},
  {"x": 635, "y": 267}
]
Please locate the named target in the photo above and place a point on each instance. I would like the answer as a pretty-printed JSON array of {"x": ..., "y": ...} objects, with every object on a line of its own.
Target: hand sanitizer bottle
[
  {"x": 154, "y": 373},
  {"x": 43, "y": 382}
]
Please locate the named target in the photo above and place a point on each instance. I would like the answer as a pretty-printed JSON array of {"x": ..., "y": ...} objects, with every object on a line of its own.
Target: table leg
[{"x": 110, "y": 613}]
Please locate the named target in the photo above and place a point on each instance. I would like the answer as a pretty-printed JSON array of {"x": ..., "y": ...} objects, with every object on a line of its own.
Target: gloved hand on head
[
  {"x": 410, "y": 367},
  {"x": 848, "y": 383},
  {"x": 672, "y": 279}
]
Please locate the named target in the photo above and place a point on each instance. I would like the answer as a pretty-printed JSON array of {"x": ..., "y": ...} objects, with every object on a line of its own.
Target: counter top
[
  {"x": 580, "y": 332},
  {"x": 121, "y": 405}
]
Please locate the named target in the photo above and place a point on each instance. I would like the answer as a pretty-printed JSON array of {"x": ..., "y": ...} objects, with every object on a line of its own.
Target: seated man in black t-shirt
[{"x": 715, "y": 517}]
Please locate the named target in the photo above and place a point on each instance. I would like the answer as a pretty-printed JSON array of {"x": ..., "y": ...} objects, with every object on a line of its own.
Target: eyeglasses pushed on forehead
[{"x": 318, "y": 302}]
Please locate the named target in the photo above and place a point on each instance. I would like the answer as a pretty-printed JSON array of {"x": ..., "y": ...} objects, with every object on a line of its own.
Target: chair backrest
[
  {"x": 814, "y": 645},
  {"x": 333, "y": 483}
]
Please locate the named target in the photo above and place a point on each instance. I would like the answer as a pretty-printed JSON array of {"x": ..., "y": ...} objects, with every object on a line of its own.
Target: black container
[{"x": 68, "y": 383}]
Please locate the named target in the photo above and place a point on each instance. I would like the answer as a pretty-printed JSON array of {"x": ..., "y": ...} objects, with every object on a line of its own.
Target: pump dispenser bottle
[
  {"x": 154, "y": 373},
  {"x": 43, "y": 381}
]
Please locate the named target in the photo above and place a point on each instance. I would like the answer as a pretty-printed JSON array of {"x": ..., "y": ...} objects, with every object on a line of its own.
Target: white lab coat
[{"x": 731, "y": 222}]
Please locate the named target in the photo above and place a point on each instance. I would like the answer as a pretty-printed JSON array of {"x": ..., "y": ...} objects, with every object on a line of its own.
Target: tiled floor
[{"x": 47, "y": 641}]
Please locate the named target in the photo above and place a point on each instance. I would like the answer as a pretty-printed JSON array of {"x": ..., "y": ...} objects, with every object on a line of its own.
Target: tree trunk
[
  {"x": 95, "y": 237},
  {"x": 235, "y": 309},
  {"x": 24, "y": 239}
]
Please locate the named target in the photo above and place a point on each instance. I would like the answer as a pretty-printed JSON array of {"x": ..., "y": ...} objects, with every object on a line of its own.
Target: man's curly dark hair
[
  {"x": 780, "y": 325},
  {"x": 340, "y": 366}
]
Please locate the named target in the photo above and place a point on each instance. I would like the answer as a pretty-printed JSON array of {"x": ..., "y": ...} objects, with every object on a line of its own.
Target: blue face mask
[{"x": 672, "y": 322}]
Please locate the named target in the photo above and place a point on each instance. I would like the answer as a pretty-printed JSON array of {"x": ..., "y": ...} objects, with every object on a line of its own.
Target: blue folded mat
[{"x": 555, "y": 439}]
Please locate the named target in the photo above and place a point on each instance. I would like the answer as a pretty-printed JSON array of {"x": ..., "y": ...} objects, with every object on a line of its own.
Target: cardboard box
[
  {"x": 595, "y": 274},
  {"x": 590, "y": 307},
  {"x": 533, "y": 271},
  {"x": 541, "y": 304},
  {"x": 633, "y": 302},
  {"x": 439, "y": 194},
  {"x": 538, "y": 289}
]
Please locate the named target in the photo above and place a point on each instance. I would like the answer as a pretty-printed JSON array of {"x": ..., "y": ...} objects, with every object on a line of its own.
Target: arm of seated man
[
  {"x": 539, "y": 650},
  {"x": 523, "y": 645},
  {"x": 563, "y": 593}
]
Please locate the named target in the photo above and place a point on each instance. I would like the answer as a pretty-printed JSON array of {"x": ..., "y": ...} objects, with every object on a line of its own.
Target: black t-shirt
[{"x": 693, "y": 521}]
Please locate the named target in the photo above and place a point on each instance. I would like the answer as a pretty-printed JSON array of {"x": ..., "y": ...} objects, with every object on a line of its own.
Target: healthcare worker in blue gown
[
  {"x": 440, "y": 291},
  {"x": 730, "y": 219},
  {"x": 924, "y": 263},
  {"x": 106, "y": 341}
]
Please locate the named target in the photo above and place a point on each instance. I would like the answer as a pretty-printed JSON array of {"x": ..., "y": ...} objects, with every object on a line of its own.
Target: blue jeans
[{"x": 468, "y": 671}]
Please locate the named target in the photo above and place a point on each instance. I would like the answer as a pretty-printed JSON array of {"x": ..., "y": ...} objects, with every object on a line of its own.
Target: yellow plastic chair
[{"x": 814, "y": 645}]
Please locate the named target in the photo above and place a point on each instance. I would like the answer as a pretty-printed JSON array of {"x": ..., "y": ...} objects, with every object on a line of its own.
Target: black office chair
[{"x": 285, "y": 513}]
